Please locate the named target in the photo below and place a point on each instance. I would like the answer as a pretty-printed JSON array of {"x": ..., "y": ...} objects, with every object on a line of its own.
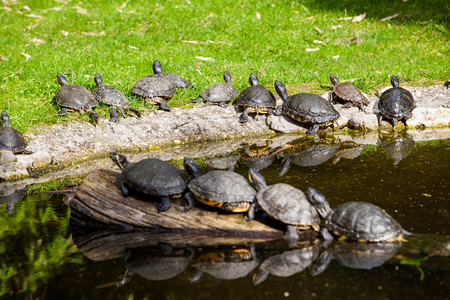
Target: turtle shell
[
  {"x": 258, "y": 97},
  {"x": 396, "y": 103},
  {"x": 175, "y": 79},
  {"x": 154, "y": 86},
  {"x": 349, "y": 92},
  {"x": 219, "y": 92},
  {"x": 111, "y": 96},
  {"x": 310, "y": 108},
  {"x": 154, "y": 177},
  {"x": 75, "y": 97},
  {"x": 12, "y": 140},
  {"x": 224, "y": 189},
  {"x": 288, "y": 204},
  {"x": 363, "y": 222}
]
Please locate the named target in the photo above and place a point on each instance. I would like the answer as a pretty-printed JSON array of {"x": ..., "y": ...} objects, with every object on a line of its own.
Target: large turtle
[
  {"x": 223, "y": 189},
  {"x": 307, "y": 108},
  {"x": 11, "y": 139},
  {"x": 396, "y": 103},
  {"x": 220, "y": 93},
  {"x": 155, "y": 89},
  {"x": 348, "y": 93},
  {"x": 153, "y": 177},
  {"x": 74, "y": 98},
  {"x": 112, "y": 97},
  {"x": 287, "y": 204},
  {"x": 174, "y": 78},
  {"x": 358, "y": 221},
  {"x": 255, "y": 98}
]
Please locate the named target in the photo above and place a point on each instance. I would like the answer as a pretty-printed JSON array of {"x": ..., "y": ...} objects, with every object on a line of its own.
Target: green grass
[{"x": 414, "y": 46}]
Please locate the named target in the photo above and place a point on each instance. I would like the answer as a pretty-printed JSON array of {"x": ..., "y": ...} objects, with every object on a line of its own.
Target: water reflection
[
  {"x": 397, "y": 148},
  {"x": 11, "y": 193}
]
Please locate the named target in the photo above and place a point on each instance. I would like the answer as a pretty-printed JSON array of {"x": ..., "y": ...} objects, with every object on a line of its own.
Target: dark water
[{"x": 44, "y": 257}]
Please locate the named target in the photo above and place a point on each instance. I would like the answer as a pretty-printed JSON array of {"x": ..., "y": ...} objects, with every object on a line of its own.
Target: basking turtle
[
  {"x": 155, "y": 89},
  {"x": 255, "y": 98},
  {"x": 287, "y": 204},
  {"x": 174, "y": 78},
  {"x": 223, "y": 189},
  {"x": 396, "y": 103},
  {"x": 220, "y": 93},
  {"x": 307, "y": 108},
  {"x": 10, "y": 138},
  {"x": 348, "y": 93},
  {"x": 359, "y": 221},
  {"x": 153, "y": 177},
  {"x": 112, "y": 97},
  {"x": 74, "y": 98}
]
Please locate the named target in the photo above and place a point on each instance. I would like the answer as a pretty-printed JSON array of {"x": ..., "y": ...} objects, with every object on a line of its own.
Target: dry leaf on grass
[
  {"x": 359, "y": 18},
  {"x": 80, "y": 10},
  {"x": 336, "y": 57},
  {"x": 336, "y": 26},
  {"x": 37, "y": 41},
  {"x": 64, "y": 33},
  {"x": 258, "y": 16},
  {"x": 93, "y": 33},
  {"x": 318, "y": 30},
  {"x": 311, "y": 49},
  {"x": 318, "y": 42},
  {"x": 35, "y": 16},
  {"x": 133, "y": 47},
  {"x": 207, "y": 42},
  {"x": 204, "y": 58},
  {"x": 3, "y": 58},
  {"x": 27, "y": 56},
  {"x": 389, "y": 18}
]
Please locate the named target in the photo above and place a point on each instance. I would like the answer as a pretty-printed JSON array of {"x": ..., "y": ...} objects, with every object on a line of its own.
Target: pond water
[{"x": 44, "y": 256}]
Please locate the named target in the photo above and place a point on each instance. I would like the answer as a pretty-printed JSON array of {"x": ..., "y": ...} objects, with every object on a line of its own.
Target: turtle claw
[
  {"x": 164, "y": 106},
  {"x": 164, "y": 204}
]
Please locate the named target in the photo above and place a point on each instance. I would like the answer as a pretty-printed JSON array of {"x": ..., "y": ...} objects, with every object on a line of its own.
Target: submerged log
[{"x": 99, "y": 198}]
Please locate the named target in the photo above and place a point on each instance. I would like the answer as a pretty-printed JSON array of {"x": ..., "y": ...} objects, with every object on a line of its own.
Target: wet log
[{"x": 99, "y": 198}]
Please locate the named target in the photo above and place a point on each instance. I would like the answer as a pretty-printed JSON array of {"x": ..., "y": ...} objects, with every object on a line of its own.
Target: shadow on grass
[{"x": 436, "y": 11}]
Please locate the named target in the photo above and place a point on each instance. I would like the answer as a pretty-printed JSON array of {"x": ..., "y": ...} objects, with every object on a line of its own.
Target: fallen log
[{"x": 99, "y": 198}]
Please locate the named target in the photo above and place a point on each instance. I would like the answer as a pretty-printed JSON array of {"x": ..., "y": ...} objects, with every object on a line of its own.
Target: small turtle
[
  {"x": 174, "y": 78},
  {"x": 396, "y": 103},
  {"x": 223, "y": 189},
  {"x": 112, "y": 97},
  {"x": 287, "y": 204},
  {"x": 359, "y": 221},
  {"x": 255, "y": 98},
  {"x": 220, "y": 93},
  {"x": 348, "y": 93},
  {"x": 74, "y": 97},
  {"x": 307, "y": 108},
  {"x": 155, "y": 89},
  {"x": 153, "y": 177},
  {"x": 10, "y": 138}
]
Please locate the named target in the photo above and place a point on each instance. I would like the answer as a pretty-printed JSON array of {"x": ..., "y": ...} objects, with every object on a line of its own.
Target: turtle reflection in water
[
  {"x": 261, "y": 157},
  {"x": 160, "y": 263},
  {"x": 355, "y": 255},
  {"x": 310, "y": 156},
  {"x": 11, "y": 193},
  {"x": 226, "y": 264},
  {"x": 287, "y": 263},
  {"x": 398, "y": 148},
  {"x": 223, "y": 162}
]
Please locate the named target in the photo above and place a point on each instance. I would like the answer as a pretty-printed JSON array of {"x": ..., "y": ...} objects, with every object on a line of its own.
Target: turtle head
[
  {"x": 394, "y": 81},
  {"x": 5, "y": 119},
  {"x": 253, "y": 79},
  {"x": 98, "y": 80},
  {"x": 319, "y": 201},
  {"x": 227, "y": 76},
  {"x": 62, "y": 80},
  {"x": 256, "y": 179},
  {"x": 334, "y": 80},
  {"x": 157, "y": 68},
  {"x": 119, "y": 159},
  {"x": 281, "y": 90},
  {"x": 192, "y": 168}
]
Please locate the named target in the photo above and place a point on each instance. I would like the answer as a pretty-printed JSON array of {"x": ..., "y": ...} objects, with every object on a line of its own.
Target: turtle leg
[
  {"x": 164, "y": 105},
  {"x": 121, "y": 111},
  {"x": 195, "y": 100},
  {"x": 244, "y": 116},
  {"x": 313, "y": 129},
  {"x": 114, "y": 115},
  {"x": 394, "y": 123},
  {"x": 223, "y": 104},
  {"x": 348, "y": 104},
  {"x": 94, "y": 115},
  {"x": 331, "y": 97},
  {"x": 321, "y": 263},
  {"x": 190, "y": 201},
  {"x": 291, "y": 233},
  {"x": 62, "y": 112},
  {"x": 251, "y": 212},
  {"x": 134, "y": 110},
  {"x": 277, "y": 111},
  {"x": 379, "y": 117},
  {"x": 285, "y": 164},
  {"x": 126, "y": 278},
  {"x": 124, "y": 189},
  {"x": 164, "y": 204},
  {"x": 270, "y": 111}
]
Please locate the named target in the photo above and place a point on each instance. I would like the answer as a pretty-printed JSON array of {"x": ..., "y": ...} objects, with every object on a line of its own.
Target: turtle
[
  {"x": 220, "y": 93},
  {"x": 74, "y": 98},
  {"x": 255, "y": 98},
  {"x": 222, "y": 189},
  {"x": 155, "y": 89},
  {"x": 447, "y": 84},
  {"x": 11, "y": 139},
  {"x": 112, "y": 97},
  {"x": 396, "y": 103},
  {"x": 357, "y": 221},
  {"x": 153, "y": 177},
  {"x": 307, "y": 108},
  {"x": 348, "y": 93},
  {"x": 398, "y": 148},
  {"x": 260, "y": 158},
  {"x": 287, "y": 204},
  {"x": 174, "y": 78}
]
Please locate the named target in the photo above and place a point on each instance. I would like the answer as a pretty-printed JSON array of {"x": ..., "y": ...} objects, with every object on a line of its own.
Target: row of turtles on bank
[{"x": 230, "y": 191}]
